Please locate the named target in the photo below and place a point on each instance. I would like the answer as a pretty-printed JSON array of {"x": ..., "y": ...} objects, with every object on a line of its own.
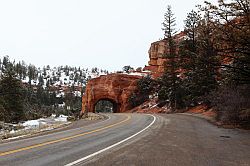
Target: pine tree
[
  {"x": 32, "y": 73},
  {"x": 191, "y": 63},
  {"x": 24, "y": 70},
  {"x": 233, "y": 19},
  {"x": 12, "y": 98},
  {"x": 5, "y": 62},
  {"x": 169, "y": 23},
  {"x": 170, "y": 81},
  {"x": 204, "y": 76},
  {"x": 41, "y": 80},
  {"x": 0, "y": 65},
  {"x": 127, "y": 68},
  {"x": 191, "y": 23}
]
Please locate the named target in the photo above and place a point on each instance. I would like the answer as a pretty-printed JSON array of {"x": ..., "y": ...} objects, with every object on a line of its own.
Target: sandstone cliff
[{"x": 157, "y": 51}]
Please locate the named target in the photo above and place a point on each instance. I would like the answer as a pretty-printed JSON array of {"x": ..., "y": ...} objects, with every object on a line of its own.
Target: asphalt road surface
[
  {"x": 134, "y": 139},
  {"x": 67, "y": 146}
]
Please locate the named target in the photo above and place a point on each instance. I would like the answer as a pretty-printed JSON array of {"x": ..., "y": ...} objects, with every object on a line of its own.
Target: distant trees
[
  {"x": 27, "y": 92},
  {"x": 127, "y": 69},
  {"x": 104, "y": 106}
]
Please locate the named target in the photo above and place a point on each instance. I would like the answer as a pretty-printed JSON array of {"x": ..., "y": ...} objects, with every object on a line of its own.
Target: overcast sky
[{"x": 107, "y": 34}]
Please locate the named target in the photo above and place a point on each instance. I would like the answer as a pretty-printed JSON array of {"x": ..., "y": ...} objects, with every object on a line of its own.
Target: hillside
[
  {"x": 55, "y": 79},
  {"x": 41, "y": 92}
]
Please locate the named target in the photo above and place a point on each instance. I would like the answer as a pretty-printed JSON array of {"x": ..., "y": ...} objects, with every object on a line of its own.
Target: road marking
[
  {"x": 52, "y": 134},
  {"x": 109, "y": 147},
  {"x": 62, "y": 139}
]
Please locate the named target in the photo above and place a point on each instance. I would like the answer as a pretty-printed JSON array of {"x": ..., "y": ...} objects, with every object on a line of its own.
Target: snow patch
[
  {"x": 31, "y": 123},
  {"x": 61, "y": 118}
]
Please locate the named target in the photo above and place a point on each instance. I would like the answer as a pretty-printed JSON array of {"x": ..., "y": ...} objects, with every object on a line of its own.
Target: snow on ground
[
  {"x": 61, "y": 118},
  {"x": 138, "y": 74},
  {"x": 143, "y": 74},
  {"x": 31, "y": 123},
  {"x": 34, "y": 126},
  {"x": 77, "y": 93},
  {"x": 44, "y": 121}
]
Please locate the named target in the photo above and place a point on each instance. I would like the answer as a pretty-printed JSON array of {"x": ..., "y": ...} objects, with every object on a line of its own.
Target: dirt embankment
[{"x": 200, "y": 111}]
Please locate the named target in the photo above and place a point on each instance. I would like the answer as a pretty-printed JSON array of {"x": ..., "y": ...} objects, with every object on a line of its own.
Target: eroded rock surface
[
  {"x": 113, "y": 87},
  {"x": 157, "y": 52},
  {"x": 118, "y": 87},
  {"x": 156, "y": 58}
]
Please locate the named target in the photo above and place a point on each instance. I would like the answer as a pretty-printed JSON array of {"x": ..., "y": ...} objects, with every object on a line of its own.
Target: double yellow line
[{"x": 62, "y": 139}]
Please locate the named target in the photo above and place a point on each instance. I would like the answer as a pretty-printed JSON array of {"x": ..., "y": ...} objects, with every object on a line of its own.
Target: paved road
[
  {"x": 64, "y": 147},
  {"x": 173, "y": 140},
  {"x": 182, "y": 140}
]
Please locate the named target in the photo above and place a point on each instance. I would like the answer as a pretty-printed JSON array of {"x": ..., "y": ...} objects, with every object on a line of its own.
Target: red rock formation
[
  {"x": 113, "y": 87},
  {"x": 156, "y": 58},
  {"x": 118, "y": 87},
  {"x": 156, "y": 53}
]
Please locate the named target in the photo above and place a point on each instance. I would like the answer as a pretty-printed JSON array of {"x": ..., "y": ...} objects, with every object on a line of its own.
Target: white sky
[{"x": 107, "y": 34}]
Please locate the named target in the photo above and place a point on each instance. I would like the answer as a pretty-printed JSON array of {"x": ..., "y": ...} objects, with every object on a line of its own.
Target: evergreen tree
[
  {"x": 145, "y": 87},
  {"x": 12, "y": 98},
  {"x": 44, "y": 72},
  {"x": 40, "y": 80},
  {"x": 233, "y": 24},
  {"x": 127, "y": 68},
  {"x": 191, "y": 61},
  {"x": 19, "y": 70},
  {"x": 169, "y": 23},
  {"x": 191, "y": 23},
  {"x": 202, "y": 67},
  {"x": 32, "y": 73},
  {"x": 5, "y": 62},
  {"x": 0, "y": 65},
  {"x": 170, "y": 81},
  {"x": 24, "y": 70}
]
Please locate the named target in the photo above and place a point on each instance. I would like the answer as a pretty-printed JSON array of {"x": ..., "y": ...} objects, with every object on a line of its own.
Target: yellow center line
[{"x": 62, "y": 139}]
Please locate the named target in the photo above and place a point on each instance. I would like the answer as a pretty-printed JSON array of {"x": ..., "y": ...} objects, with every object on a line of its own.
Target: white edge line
[{"x": 109, "y": 147}]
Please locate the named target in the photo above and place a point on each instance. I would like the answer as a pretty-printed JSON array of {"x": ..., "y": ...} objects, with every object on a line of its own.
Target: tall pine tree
[{"x": 170, "y": 82}]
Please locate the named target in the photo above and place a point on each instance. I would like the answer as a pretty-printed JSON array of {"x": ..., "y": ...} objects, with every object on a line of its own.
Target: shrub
[
  {"x": 145, "y": 87},
  {"x": 232, "y": 104}
]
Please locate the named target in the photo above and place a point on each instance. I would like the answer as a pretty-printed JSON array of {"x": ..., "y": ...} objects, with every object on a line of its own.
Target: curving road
[
  {"x": 67, "y": 147},
  {"x": 134, "y": 139},
  {"x": 182, "y": 140}
]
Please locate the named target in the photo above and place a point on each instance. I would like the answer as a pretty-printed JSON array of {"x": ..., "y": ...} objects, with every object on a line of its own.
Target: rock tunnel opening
[{"x": 106, "y": 106}]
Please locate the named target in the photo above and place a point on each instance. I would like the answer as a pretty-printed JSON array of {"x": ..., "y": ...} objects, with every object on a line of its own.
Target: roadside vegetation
[
  {"x": 210, "y": 67},
  {"x": 28, "y": 92}
]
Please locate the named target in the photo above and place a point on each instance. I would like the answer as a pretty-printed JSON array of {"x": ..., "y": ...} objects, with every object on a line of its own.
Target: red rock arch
[{"x": 114, "y": 87}]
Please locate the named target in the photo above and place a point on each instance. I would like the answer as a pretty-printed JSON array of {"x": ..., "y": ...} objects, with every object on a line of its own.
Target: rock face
[
  {"x": 115, "y": 88},
  {"x": 157, "y": 51},
  {"x": 118, "y": 87},
  {"x": 156, "y": 58}
]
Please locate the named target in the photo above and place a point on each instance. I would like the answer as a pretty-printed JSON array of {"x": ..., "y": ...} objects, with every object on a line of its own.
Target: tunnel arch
[
  {"x": 115, "y": 104},
  {"x": 115, "y": 87}
]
